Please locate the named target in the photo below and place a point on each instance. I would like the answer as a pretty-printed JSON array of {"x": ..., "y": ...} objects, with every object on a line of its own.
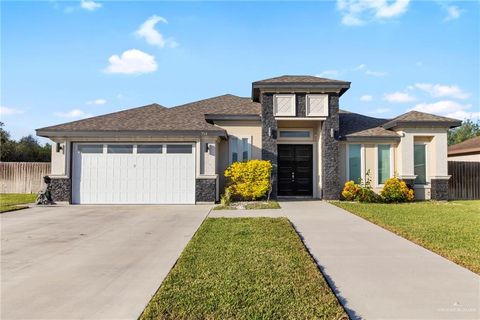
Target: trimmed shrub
[
  {"x": 350, "y": 191},
  {"x": 396, "y": 190},
  {"x": 249, "y": 180},
  {"x": 361, "y": 191}
]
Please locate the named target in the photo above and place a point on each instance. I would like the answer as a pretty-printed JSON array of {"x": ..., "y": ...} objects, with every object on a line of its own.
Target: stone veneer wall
[
  {"x": 205, "y": 190},
  {"x": 439, "y": 189},
  {"x": 330, "y": 152},
  {"x": 301, "y": 104},
  {"x": 269, "y": 144},
  {"x": 61, "y": 189}
]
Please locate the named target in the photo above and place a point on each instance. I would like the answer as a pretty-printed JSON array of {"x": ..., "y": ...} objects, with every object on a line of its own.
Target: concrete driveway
[{"x": 89, "y": 262}]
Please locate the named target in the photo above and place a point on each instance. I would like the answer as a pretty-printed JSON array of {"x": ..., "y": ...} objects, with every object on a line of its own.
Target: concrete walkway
[
  {"x": 375, "y": 273},
  {"x": 89, "y": 262}
]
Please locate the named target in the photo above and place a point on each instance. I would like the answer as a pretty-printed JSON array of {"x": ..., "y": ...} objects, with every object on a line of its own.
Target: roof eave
[
  {"x": 435, "y": 124},
  {"x": 231, "y": 117},
  {"x": 256, "y": 87},
  {"x": 463, "y": 151},
  {"x": 129, "y": 133},
  {"x": 370, "y": 138}
]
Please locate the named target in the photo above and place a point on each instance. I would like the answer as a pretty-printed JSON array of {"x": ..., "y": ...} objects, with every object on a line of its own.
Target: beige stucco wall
[
  {"x": 252, "y": 129},
  {"x": 435, "y": 140},
  {"x": 58, "y": 161},
  {"x": 468, "y": 157},
  {"x": 436, "y": 150}
]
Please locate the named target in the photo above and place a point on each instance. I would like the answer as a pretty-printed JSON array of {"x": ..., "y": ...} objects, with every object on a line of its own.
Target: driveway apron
[{"x": 89, "y": 262}]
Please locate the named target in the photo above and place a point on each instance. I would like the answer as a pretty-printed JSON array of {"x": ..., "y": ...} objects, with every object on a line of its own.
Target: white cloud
[
  {"x": 6, "y": 111},
  {"x": 453, "y": 12},
  {"x": 360, "y": 67},
  {"x": 398, "y": 97},
  {"x": 90, "y": 5},
  {"x": 375, "y": 73},
  {"x": 328, "y": 73},
  {"x": 360, "y": 12},
  {"x": 443, "y": 107},
  {"x": 132, "y": 61},
  {"x": 75, "y": 113},
  {"x": 97, "y": 101},
  {"x": 366, "y": 97},
  {"x": 148, "y": 32},
  {"x": 464, "y": 115},
  {"x": 440, "y": 91},
  {"x": 382, "y": 110}
]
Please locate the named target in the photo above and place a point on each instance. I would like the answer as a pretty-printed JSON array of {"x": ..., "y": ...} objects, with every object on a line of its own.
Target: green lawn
[
  {"x": 252, "y": 205},
  {"x": 451, "y": 229},
  {"x": 244, "y": 268},
  {"x": 10, "y": 201}
]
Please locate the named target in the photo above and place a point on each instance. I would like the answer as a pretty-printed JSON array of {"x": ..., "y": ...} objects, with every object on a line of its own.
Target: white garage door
[{"x": 160, "y": 173}]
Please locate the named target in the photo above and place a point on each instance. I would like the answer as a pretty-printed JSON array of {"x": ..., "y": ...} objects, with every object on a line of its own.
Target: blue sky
[{"x": 63, "y": 61}]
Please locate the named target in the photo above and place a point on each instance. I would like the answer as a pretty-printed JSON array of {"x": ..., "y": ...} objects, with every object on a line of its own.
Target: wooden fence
[
  {"x": 22, "y": 177},
  {"x": 465, "y": 181}
]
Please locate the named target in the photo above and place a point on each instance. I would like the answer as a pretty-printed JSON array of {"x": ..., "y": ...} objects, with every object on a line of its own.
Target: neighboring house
[
  {"x": 154, "y": 154},
  {"x": 468, "y": 150}
]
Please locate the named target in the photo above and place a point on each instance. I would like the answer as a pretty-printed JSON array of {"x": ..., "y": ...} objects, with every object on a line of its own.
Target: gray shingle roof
[
  {"x": 354, "y": 125},
  {"x": 155, "y": 118},
  {"x": 298, "y": 79},
  {"x": 421, "y": 118}
]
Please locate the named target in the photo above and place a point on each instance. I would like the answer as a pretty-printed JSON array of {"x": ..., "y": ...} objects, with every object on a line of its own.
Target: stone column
[
  {"x": 269, "y": 141},
  {"x": 330, "y": 152},
  {"x": 61, "y": 189},
  {"x": 439, "y": 188},
  {"x": 206, "y": 189}
]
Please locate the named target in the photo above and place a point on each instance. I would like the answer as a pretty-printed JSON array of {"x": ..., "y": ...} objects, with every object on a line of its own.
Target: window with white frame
[
  {"x": 384, "y": 162},
  {"x": 420, "y": 163},
  {"x": 354, "y": 162},
  {"x": 317, "y": 105},
  {"x": 295, "y": 133},
  {"x": 240, "y": 148},
  {"x": 284, "y": 105}
]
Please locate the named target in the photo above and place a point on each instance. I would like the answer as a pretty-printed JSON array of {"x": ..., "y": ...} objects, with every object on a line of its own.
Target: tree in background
[
  {"x": 467, "y": 130},
  {"x": 27, "y": 149}
]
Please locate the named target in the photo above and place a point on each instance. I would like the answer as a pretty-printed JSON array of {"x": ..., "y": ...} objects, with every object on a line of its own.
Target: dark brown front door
[{"x": 295, "y": 170}]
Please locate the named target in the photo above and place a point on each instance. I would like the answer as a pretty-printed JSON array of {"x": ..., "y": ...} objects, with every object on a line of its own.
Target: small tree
[{"x": 467, "y": 130}]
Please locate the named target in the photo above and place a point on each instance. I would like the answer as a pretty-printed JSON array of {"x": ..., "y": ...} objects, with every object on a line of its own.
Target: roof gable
[{"x": 417, "y": 118}]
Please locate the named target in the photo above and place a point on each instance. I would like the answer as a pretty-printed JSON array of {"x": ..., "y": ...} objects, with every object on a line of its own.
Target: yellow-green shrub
[
  {"x": 350, "y": 190},
  {"x": 249, "y": 180},
  {"x": 396, "y": 190}
]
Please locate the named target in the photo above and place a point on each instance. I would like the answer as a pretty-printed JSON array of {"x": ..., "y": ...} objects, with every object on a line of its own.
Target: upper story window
[
  {"x": 420, "y": 163},
  {"x": 317, "y": 105},
  {"x": 384, "y": 163},
  {"x": 284, "y": 105},
  {"x": 240, "y": 148},
  {"x": 354, "y": 162}
]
